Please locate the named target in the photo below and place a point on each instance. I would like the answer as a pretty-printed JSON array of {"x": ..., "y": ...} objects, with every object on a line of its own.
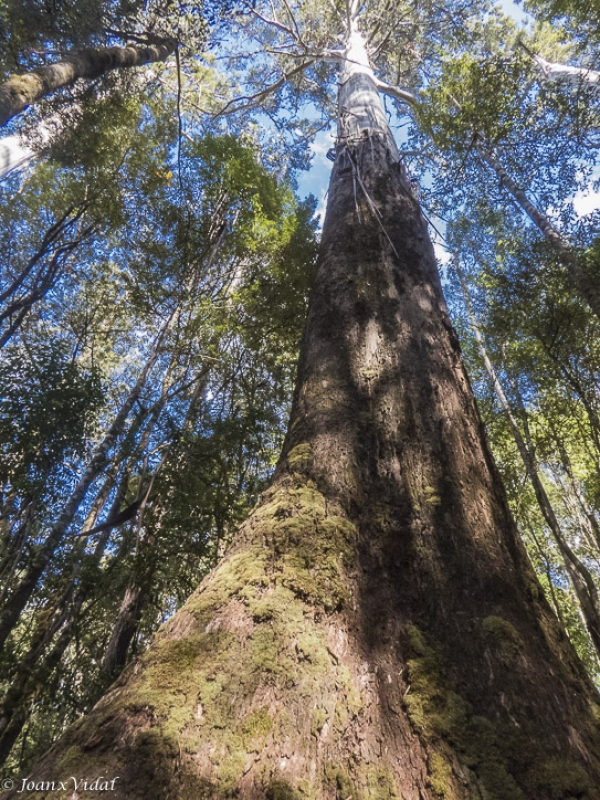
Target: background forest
[{"x": 155, "y": 269}]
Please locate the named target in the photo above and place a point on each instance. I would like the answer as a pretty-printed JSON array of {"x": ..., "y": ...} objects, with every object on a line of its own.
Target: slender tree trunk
[
  {"x": 137, "y": 592},
  {"x": 543, "y": 554},
  {"x": 587, "y": 511},
  {"x": 20, "y": 596},
  {"x": 21, "y": 91},
  {"x": 581, "y": 577},
  {"x": 568, "y": 255},
  {"x": 37, "y": 665},
  {"x": 376, "y": 631},
  {"x": 126, "y": 623}
]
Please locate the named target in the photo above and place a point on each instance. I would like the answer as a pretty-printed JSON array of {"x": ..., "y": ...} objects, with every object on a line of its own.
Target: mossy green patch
[
  {"x": 381, "y": 783},
  {"x": 311, "y": 647},
  {"x": 239, "y": 572},
  {"x": 299, "y": 456},
  {"x": 563, "y": 780},
  {"x": 499, "y": 784},
  {"x": 267, "y": 654},
  {"x": 257, "y": 724},
  {"x": 503, "y": 635},
  {"x": 504, "y": 757},
  {"x": 275, "y": 604},
  {"x": 281, "y": 790},
  {"x": 308, "y": 548},
  {"x": 349, "y": 704},
  {"x": 440, "y": 777},
  {"x": 319, "y": 718},
  {"x": 231, "y": 768},
  {"x": 261, "y": 610},
  {"x": 311, "y": 548},
  {"x": 336, "y": 776},
  {"x": 352, "y": 696}
]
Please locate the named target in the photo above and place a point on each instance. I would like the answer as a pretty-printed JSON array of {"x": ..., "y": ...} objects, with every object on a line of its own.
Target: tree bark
[
  {"x": 376, "y": 631},
  {"x": 576, "y": 76},
  {"x": 20, "y": 91}
]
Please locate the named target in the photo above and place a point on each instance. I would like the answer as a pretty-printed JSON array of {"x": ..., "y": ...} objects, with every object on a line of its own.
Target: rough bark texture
[
  {"x": 377, "y": 630},
  {"x": 21, "y": 91}
]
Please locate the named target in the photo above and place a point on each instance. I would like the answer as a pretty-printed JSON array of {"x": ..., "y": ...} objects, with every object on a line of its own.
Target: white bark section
[
  {"x": 395, "y": 91},
  {"x": 13, "y": 154},
  {"x": 360, "y": 112},
  {"x": 15, "y": 151},
  {"x": 574, "y": 75}
]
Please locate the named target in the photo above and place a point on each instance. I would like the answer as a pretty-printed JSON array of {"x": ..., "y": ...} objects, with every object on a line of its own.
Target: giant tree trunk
[
  {"x": 21, "y": 91},
  {"x": 376, "y": 631}
]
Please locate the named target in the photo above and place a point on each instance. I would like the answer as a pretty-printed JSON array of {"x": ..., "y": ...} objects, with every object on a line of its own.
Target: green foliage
[
  {"x": 473, "y": 95},
  {"x": 546, "y": 357},
  {"x": 215, "y": 237},
  {"x": 47, "y": 409},
  {"x": 169, "y": 215},
  {"x": 582, "y": 17}
]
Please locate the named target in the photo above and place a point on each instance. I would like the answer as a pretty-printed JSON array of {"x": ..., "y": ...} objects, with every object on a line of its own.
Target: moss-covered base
[
  {"x": 507, "y": 759},
  {"x": 259, "y": 688},
  {"x": 254, "y": 689}
]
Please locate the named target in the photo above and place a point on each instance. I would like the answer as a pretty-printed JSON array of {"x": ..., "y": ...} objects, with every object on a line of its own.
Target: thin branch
[
  {"x": 274, "y": 23},
  {"x": 294, "y": 23},
  {"x": 254, "y": 99},
  {"x": 387, "y": 37},
  {"x": 179, "y": 120}
]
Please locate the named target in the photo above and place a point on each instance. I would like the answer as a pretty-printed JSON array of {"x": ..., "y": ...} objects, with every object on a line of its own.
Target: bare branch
[
  {"x": 555, "y": 71},
  {"x": 395, "y": 91},
  {"x": 274, "y": 23},
  {"x": 254, "y": 99}
]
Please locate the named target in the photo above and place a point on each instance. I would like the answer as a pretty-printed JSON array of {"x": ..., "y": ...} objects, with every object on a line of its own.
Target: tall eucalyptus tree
[{"x": 376, "y": 629}]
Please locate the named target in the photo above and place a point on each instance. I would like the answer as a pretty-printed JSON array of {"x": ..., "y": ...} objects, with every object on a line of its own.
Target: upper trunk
[{"x": 376, "y": 631}]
